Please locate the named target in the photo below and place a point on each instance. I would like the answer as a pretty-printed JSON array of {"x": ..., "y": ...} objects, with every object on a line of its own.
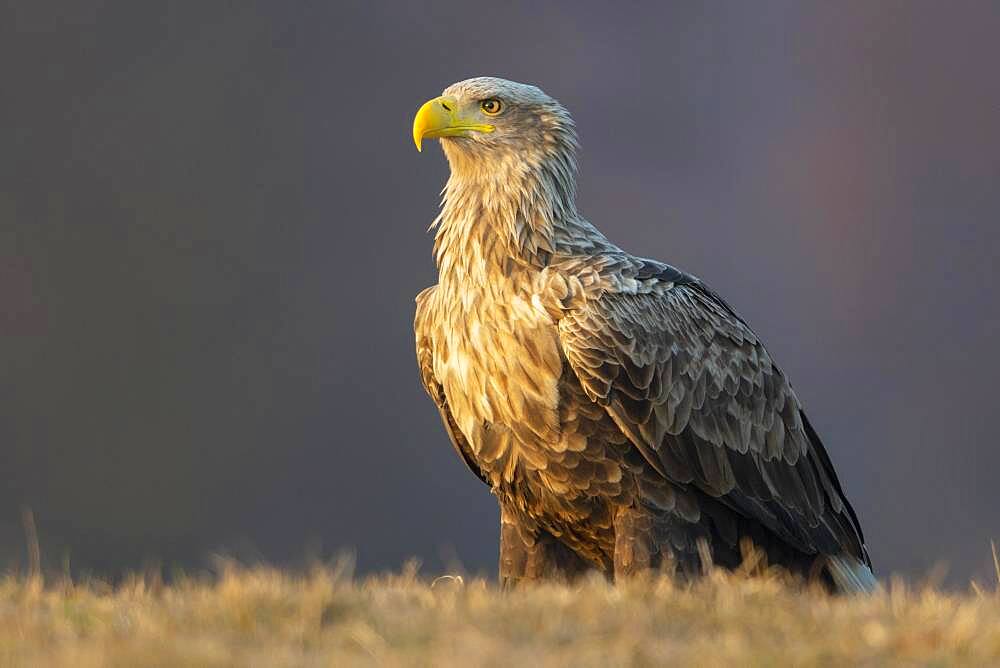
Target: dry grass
[{"x": 325, "y": 617}]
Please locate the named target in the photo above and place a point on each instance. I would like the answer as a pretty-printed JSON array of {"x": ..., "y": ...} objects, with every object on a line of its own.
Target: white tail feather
[{"x": 851, "y": 575}]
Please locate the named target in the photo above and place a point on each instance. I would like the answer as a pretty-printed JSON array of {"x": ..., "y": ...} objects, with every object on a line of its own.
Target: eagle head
[
  {"x": 487, "y": 117},
  {"x": 512, "y": 153}
]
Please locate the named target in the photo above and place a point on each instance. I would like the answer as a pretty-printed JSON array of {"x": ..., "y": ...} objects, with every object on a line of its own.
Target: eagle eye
[{"x": 491, "y": 106}]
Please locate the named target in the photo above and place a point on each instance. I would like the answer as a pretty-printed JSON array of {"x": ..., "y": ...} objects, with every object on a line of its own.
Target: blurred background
[{"x": 213, "y": 224}]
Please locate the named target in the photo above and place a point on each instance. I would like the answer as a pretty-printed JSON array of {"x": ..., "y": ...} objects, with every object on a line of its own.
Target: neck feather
[{"x": 504, "y": 212}]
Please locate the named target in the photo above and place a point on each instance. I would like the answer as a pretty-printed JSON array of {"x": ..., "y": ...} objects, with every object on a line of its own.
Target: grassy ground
[{"x": 323, "y": 617}]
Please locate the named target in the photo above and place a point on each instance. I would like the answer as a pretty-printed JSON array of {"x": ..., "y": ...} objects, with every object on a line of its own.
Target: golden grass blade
[{"x": 996, "y": 563}]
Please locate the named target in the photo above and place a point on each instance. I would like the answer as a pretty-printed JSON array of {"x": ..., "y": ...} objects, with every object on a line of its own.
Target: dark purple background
[{"x": 212, "y": 227}]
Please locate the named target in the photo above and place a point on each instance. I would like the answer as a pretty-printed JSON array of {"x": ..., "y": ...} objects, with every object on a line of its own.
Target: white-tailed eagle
[{"x": 623, "y": 414}]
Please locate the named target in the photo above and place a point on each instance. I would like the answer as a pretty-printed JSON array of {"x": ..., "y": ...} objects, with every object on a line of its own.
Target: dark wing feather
[
  {"x": 695, "y": 391},
  {"x": 425, "y": 360}
]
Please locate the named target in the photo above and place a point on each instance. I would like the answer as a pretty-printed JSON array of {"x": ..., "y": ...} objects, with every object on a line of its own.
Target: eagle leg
[
  {"x": 529, "y": 553},
  {"x": 636, "y": 549}
]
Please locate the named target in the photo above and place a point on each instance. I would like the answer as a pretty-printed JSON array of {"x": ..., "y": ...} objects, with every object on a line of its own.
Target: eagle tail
[{"x": 851, "y": 575}]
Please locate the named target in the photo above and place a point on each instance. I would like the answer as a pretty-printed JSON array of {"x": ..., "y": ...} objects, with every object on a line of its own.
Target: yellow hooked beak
[{"x": 440, "y": 118}]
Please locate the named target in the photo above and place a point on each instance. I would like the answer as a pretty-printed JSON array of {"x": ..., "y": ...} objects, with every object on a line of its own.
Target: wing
[
  {"x": 695, "y": 391},
  {"x": 422, "y": 327}
]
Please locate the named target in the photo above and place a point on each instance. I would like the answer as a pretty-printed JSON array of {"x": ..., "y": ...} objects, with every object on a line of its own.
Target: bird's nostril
[{"x": 446, "y": 107}]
